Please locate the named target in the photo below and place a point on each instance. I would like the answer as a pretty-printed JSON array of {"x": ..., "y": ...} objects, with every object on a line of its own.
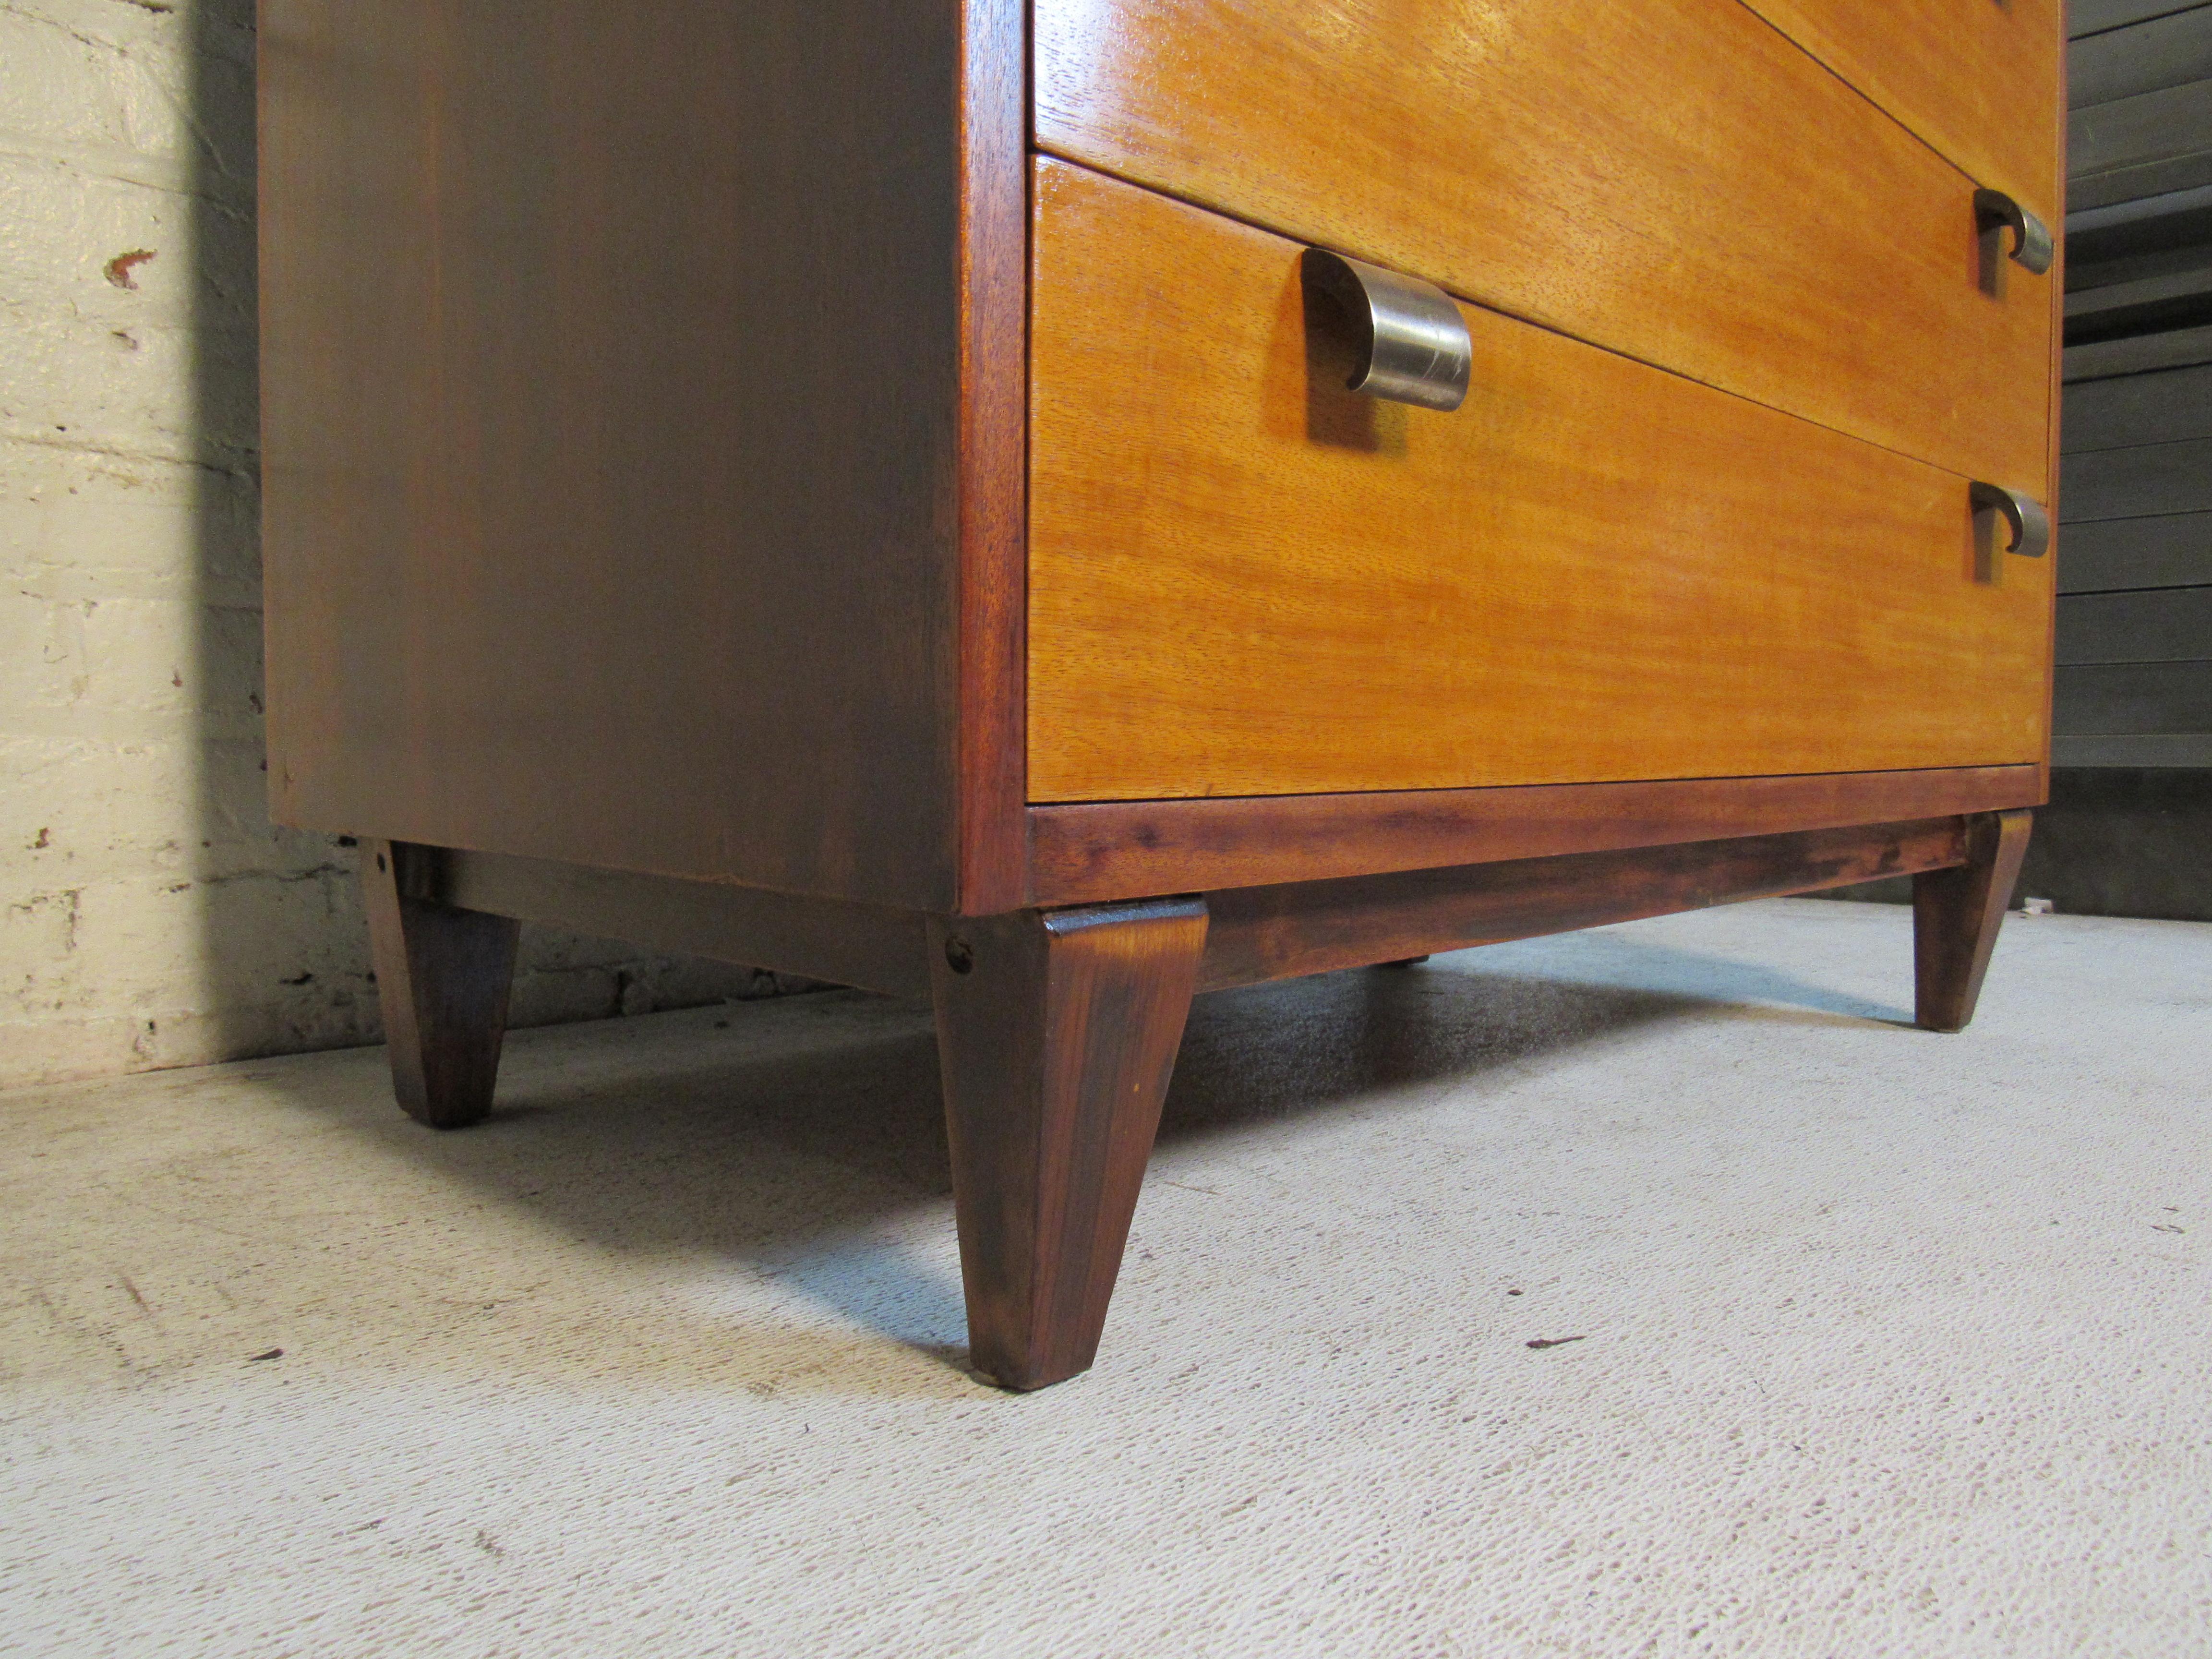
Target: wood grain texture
[
  {"x": 611, "y": 364},
  {"x": 2137, "y": 482},
  {"x": 993, "y": 485},
  {"x": 2161, "y": 625},
  {"x": 2168, "y": 51},
  {"x": 845, "y": 943},
  {"x": 1955, "y": 917},
  {"x": 2124, "y": 842},
  {"x": 2122, "y": 699},
  {"x": 442, "y": 975},
  {"x": 2171, "y": 550},
  {"x": 1672, "y": 179},
  {"x": 2146, "y": 145},
  {"x": 2095, "y": 16},
  {"x": 1130, "y": 850},
  {"x": 2141, "y": 354},
  {"x": 2140, "y": 409},
  {"x": 1244, "y": 580},
  {"x": 2190, "y": 749},
  {"x": 1276, "y": 933},
  {"x": 1056, "y": 1033},
  {"x": 1979, "y": 81}
]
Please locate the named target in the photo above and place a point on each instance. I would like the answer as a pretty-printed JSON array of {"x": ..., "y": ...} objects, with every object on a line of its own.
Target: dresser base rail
[{"x": 1058, "y": 1028}]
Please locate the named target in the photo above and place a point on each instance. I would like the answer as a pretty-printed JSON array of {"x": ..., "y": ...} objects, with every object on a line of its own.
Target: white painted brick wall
[{"x": 150, "y": 914}]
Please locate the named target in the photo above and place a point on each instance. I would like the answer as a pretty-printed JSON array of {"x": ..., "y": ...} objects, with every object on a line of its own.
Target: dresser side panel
[{"x": 611, "y": 368}]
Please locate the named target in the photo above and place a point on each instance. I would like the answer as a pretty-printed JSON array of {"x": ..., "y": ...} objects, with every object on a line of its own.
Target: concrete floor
[{"x": 1882, "y": 1342}]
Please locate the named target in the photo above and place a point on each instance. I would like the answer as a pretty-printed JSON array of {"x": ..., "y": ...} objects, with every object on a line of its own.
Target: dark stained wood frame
[
  {"x": 1261, "y": 932},
  {"x": 866, "y": 945},
  {"x": 990, "y": 748},
  {"x": 1081, "y": 854},
  {"x": 1956, "y": 912},
  {"x": 443, "y": 976},
  {"x": 1057, "y": 1031},
  {"x": 1058, "y": 1027}
]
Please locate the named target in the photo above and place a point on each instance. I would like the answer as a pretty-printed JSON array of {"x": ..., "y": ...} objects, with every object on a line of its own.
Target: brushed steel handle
[
  {"x": 1412, "y": 344},
  {"x": 2031, "y": 525},
  {"x": 2031, "y": 238}
]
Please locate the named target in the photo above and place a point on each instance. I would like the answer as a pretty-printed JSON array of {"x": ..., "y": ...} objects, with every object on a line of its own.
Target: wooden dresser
[{"x": 1056, "y": 506}]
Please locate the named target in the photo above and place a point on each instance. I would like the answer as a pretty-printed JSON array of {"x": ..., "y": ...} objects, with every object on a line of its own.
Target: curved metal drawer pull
[
  {"x": 2031, "y": 238},
  {"x": 1414, "y": 347},
  {"x": 2031, "y": 525}
]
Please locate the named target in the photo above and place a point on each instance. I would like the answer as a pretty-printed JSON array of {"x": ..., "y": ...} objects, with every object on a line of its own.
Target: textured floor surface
[{"x": 1867, "y": 1341}]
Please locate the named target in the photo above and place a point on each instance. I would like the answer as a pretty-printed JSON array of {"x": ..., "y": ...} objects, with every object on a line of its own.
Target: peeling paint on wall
[
  {"x": 118, "y": 269},
  {"x": 150, "y": 915}
]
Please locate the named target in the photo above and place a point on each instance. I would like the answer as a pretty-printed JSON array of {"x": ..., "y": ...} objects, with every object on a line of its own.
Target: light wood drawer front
[
  {"x": 1978, "y": 79},
  {"x": 1672, "y": 179},
  {"x": 1244, "y": 581}
]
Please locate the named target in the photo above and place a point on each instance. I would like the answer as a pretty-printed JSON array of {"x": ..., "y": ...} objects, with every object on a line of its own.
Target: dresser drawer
[
  {"x": 1246, "y": 581},
  {"x": 1979, "y": 81},
  {"x": 1671, "y": 179}
]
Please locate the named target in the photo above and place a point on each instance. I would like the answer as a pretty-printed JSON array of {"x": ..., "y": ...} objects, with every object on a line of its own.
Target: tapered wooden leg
[
  {"x": 443, "y": 976},
  {"x": 1955, "y": 916},
  {"x": 1056, "y": 1032}
]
